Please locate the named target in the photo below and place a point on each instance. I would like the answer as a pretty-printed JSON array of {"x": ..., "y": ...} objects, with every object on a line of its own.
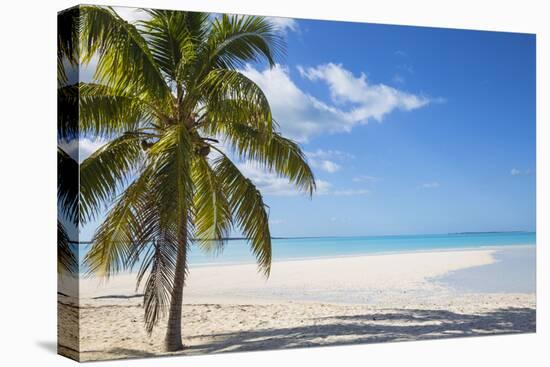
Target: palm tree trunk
[{"x": 173, "y": 342}]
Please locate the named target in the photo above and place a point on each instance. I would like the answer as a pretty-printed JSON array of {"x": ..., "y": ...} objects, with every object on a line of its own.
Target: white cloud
[
  {"x": 406, "y": 67},
  {"x": 300, "y": 116},
  {"x": 323, "y": 164},
  {"x": 351, "y": 192},
  {"x": 88, "y": 146},
  {"x": 284, "y": 25},
  {"x": 271, "y": 183},
  {"x": 131, "y": 14},
  {"x": 328, "y": 166},
  {"x": 267, "y": 182},
  {"x": 353, "y": 100},
  {"x": 336, "y": 154},
  {"x": 518, "y": 172},
  {"x": 365, "y": 178},
  {"x": 431, "y": 185},
  {"x": 398, "y": 79},
  {"x": 323, "y": 187},
  {"x": 325, "y": 159},
  {"x": 80, "y": 149},
  {"x": 340, "y": 219},
  {"x": 401, "y": 53},
  {"x": 371, "y": 100}
]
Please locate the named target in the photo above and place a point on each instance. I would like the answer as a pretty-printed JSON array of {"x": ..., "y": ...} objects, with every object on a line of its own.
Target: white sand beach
[{"x": 346, "y": 300}]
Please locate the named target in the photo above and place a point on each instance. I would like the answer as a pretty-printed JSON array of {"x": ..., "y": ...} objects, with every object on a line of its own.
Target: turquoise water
[
  {"x": 513, "y": 271},
  {"x": 238, "y": 251}
]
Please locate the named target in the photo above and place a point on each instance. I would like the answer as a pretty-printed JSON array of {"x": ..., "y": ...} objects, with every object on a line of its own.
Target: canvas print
[{"x": 232, "y": 183}]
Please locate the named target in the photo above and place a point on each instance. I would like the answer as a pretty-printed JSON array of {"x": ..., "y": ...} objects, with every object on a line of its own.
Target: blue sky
[{"x": 409, "y": 130}]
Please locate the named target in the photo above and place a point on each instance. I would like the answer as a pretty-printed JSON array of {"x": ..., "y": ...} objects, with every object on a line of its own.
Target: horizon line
[{"x": 351, "y": 236}]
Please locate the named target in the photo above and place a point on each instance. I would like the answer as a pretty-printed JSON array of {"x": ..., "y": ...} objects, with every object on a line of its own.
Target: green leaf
[
  {"x": 104, "y": 112},
  {"x": 125, "y": 60},
  {"x": 120, "y": 233},
  {"x": 67, "y": 262},
  {"x": 272, "y": 151},
  {"x": 67, "y": 42},
  {"x": 174, "y": 37},
  {"x": 230, "y": 96},
  {"x": 248, "y": 210},
  {"x": 107, "y": 171},
  {"x": 159, "y": 266},
  {"x": 67, "y": 112},
  {"x": 212, "y": 216},
  {"x": 67, "y": 185},
  {"x": 236, "y": 40}
]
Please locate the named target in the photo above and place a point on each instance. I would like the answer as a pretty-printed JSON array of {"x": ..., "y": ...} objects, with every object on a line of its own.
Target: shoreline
[
  {"x": 377, "y": 253},
  {"x": 364, "y": 254},
  {"x": 365, "y": 279}
]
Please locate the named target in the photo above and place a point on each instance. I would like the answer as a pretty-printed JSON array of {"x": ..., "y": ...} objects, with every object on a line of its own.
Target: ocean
[{"x": 237, "y": 251}]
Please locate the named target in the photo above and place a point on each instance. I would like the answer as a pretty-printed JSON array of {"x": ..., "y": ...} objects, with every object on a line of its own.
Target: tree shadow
[
  {"x": 406, "y": 325},
  {"x": 382, "y": 326},
  {"x": 133, "y": 353},
  {"x": 119, "y": 296},
  {"x": 115, "y": 354}
]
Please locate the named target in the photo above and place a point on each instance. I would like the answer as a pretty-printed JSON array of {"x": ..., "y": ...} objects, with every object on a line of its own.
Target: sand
[{"x": 347, "y": 300}]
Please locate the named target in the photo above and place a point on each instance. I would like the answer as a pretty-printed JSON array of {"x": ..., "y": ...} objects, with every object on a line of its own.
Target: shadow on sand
[
  {"x": 119, "y": 296},
  {"x": 375, "y": 328},
  {"x": 392, "y": 326}
]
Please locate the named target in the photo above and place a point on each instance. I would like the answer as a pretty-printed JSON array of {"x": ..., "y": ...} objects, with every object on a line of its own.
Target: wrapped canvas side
[{"x": 68, "y": 334}]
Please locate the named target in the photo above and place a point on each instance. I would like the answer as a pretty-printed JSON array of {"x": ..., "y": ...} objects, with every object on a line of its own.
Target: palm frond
[
  {"x": 106, "y": 171},
  {"x": 231, "y": 96},
  {"x": 67, "y": 42},
  {"x": 104, "y": 111},
  {"x": 220, "y": 113},
  {"x": 248, "y": 209},
  {"x": 236, "y": 40},
  {"x": 159, "y": 265},
  {"x": 67, "y": 112},
  {"x": 172, "y": 38},
  {"x": 119, "y": 234},
  {"x": 67, "y": 262},
  {"x": 212, "y": 216},
  {"x": 67, "y": 185},
  {"x": 272, "y": 151},
  {"x": 125, "y": 61}
]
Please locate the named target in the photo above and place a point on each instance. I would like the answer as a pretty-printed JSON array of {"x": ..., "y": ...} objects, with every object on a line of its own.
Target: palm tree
[{"x": 166, "y": 91}]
